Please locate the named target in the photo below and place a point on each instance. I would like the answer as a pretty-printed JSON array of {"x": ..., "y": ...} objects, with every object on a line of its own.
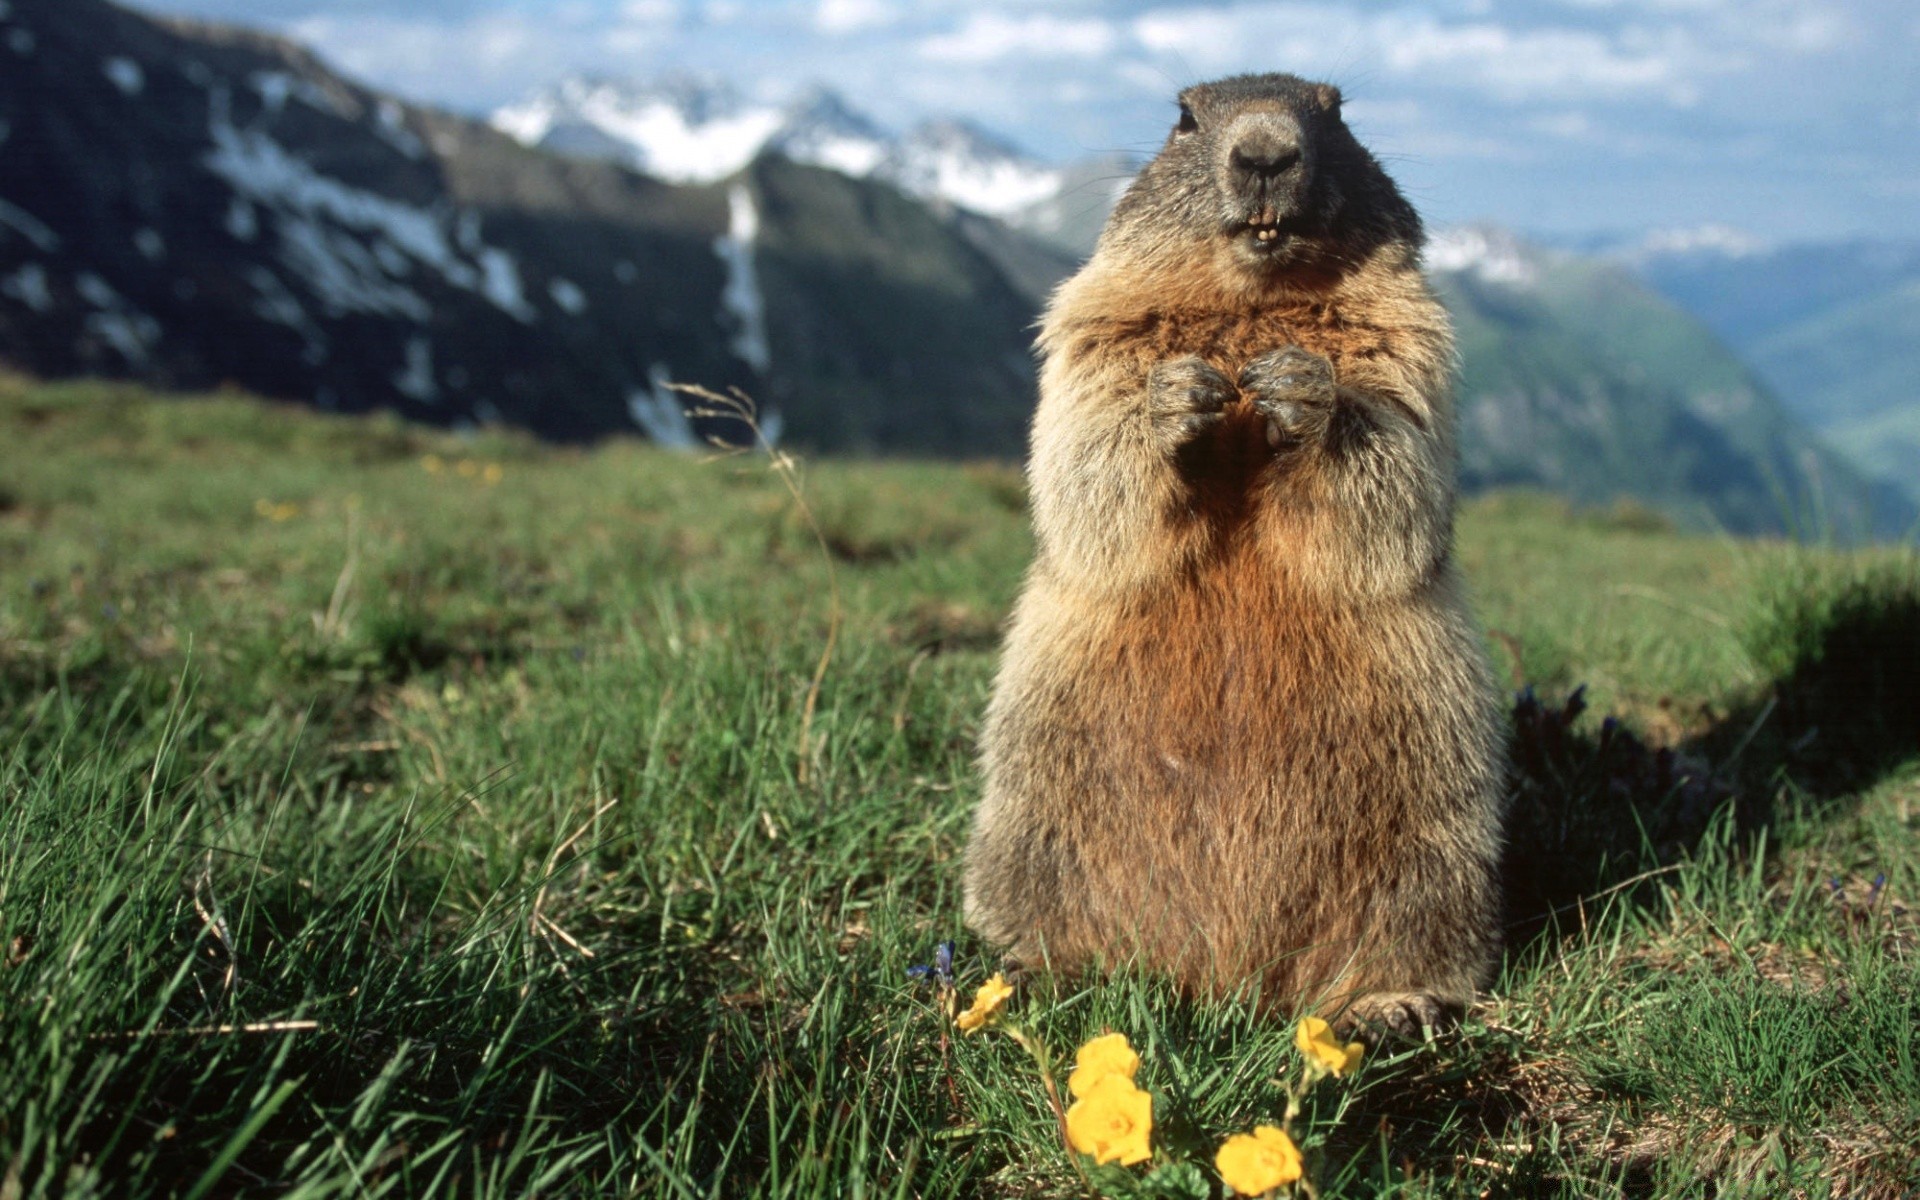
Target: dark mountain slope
[
  {"x": 910, "y": 336},
  {"x": 189, "y": 205}
]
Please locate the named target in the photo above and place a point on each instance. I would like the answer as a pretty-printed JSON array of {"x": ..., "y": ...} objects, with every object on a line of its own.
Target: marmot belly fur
[{"x": 1243, "y": 729}]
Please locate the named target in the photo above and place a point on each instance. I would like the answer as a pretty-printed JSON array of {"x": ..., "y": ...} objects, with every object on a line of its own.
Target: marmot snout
[{"x": 1243, "y": 729}]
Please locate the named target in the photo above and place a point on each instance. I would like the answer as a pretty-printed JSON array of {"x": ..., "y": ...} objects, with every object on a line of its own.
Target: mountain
[
  {"x": 690, "y": 130},
  {"x": 192, "y": 205},
  {"x": 1833, "y": 328},
  {"x": 1579, "y": 378}
]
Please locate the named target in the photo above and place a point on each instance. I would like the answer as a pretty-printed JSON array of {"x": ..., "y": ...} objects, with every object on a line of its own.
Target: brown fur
[{"x": 1243, "y": 729}]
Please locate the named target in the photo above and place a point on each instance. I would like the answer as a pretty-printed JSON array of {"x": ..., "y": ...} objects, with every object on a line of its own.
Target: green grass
[{"x": 372, "y": 829}]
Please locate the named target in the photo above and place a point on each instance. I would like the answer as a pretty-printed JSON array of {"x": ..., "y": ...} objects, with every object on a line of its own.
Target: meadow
[{"x": 390, "y": 812}]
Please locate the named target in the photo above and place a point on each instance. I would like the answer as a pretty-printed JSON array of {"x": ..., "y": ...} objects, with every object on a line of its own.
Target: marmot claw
[
  {"x": 1186, "y": 397},
  {"x": 1407, "y": 1016},
  {"x": 1293, "y": 390}
]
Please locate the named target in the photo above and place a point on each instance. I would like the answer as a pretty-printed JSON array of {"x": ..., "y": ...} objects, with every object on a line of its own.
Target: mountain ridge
[
  {"x": 197, "y": 204},
  {"x": 692, "y": 130},
  {"x": 200, "y": 205}
]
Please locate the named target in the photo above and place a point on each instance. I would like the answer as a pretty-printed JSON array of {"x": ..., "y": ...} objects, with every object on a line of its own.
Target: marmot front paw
[
  {"x": 1293, "y": 390},
  {"x": 1185, "y": 398},
  {"x": 1403, "y": 1015}
]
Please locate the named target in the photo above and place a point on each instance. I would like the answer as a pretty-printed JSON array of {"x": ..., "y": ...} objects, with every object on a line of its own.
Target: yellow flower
[
  {"x": 1323, "y": 1052},
  {"x": 492, "y": 473},
  {"x": 986, "y": 1002},
  {"x": 1103, "y": 1056},
  {"x": 432, "y": 464},
  {"x": 467, "y": 468},
  {"x": 1252, "y": 1163},
  {"x": 275, "y": 510},
  {"x": 1113, "y": 1122}
]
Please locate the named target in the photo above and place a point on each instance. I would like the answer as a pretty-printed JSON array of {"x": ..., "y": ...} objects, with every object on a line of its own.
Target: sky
[{"x": 1784, "y": 120}]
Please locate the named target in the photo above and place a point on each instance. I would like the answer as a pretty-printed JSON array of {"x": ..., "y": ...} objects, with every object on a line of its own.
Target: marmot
[{"x": 1243, "y": 728}]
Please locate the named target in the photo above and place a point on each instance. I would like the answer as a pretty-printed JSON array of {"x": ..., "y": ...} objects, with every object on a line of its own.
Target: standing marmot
[{"x": 1243, "y": 729}]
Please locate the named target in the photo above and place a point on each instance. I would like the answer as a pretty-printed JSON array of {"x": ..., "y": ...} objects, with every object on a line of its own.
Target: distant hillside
[
  {"x": 1833, "y": 328},
  {"x": 189, "y": 204},
  {"x": 1580, "y": 379}
]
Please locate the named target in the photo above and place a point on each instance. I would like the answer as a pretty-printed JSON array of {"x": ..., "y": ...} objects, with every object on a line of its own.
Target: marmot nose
[{"x": 1264, "y": 155}]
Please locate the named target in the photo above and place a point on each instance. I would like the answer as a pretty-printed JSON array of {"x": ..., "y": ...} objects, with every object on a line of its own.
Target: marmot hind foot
[{"x": 1404, "y": 1016}]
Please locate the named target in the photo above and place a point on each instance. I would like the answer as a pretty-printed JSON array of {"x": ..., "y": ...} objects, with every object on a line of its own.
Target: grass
[{"x": 376, "y": 824}]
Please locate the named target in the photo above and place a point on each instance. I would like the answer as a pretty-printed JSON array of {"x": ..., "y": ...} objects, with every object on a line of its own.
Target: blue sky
[{"x": 1786, "y": 119}]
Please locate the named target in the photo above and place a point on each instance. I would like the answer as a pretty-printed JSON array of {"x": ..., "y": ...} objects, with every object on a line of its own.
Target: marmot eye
[{"x": 1186, "y": 123}]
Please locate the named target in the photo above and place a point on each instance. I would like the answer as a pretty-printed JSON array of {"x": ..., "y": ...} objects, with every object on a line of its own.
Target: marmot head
[{"x": 1263, "y": 167}]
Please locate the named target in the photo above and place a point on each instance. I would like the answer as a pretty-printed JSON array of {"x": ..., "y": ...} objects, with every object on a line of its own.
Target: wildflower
[
  {"x": 986, "y": 1002},
  {"x": 1099, "y": 1058},
  {"x": 276, "y": 511},
  {"x": 1252, "y": 1163},
  {"x": 466, "y": 468},
  {"x": 492, "y": 474},
  {"x": 433, "y": 464},
  {"x": 941, "y": 971},
  {"x": 1323, "y": 1052},
  {"x": 1113, "y": 1122}
]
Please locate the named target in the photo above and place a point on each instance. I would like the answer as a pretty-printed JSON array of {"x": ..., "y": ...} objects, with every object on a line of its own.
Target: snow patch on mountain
[
  {"x": 657, "y": 410},
  {"x": 28, "y": 285},
  {"x": 28, "y": 226},
  {"x": 676, "y": 131},
  {"x": 1490, "y": 255},
  {"x": 390, "y": 122},
  {"x": 129, "y": 332},
  {"x": 819, "y": 128},
  {"x": 415, "y": 379},
  {"x": 957, "y": 162},
  {"x": 243, "y": 224},
  {"x": 277, "y": 303},
  {"x": 740, "y": 299},
  {"x": 125, "y": 74},
  {"x": 277, "y": 87},
  {"x": 500, "y": 283},
  {"x": 567, "y": 295},
  {"x": 326, "y": 227}
]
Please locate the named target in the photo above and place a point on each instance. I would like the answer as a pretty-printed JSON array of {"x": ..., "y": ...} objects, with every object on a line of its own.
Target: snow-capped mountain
[
  {"x": 965, "y": 165},
  {"x": 1488, "y": 253},
  {"x": 677, "y": 129},
  {"x": 191, "y": 205},
  {"x": 819, "y": 128},
  {"x": 687, "y": 130}
]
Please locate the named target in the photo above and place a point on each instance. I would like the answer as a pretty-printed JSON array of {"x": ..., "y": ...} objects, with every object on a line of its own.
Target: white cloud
[
  {"x": 1476, "y": 101},
  {"x": 650, "y": 12},
  {"x": 851, "y": 16},
  {"x": 479, "y": 61},
  {"x": 1506, "y": 61},
  {"x": 989, "y": 37}
]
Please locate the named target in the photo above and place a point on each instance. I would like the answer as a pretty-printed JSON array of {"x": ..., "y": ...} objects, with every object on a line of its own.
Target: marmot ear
[{"x": 1328, "y": 97}]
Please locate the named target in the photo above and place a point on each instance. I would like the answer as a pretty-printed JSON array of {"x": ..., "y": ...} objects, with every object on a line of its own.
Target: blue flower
[{"x": 941, "y": 971}]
